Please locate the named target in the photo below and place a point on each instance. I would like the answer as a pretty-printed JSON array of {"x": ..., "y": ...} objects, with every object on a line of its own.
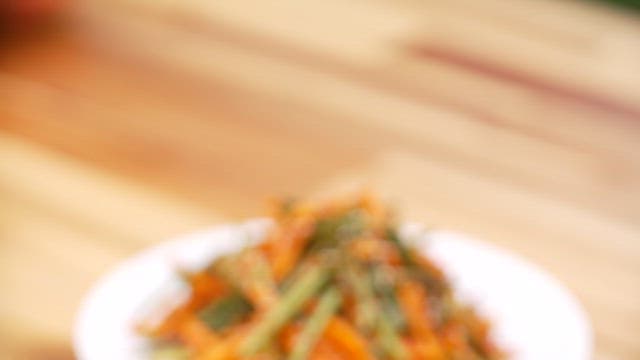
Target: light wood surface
[{"x": 517, "y": 122}]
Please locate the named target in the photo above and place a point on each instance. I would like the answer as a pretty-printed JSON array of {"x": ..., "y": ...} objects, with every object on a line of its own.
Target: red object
[{"x": 19, "y": 10}]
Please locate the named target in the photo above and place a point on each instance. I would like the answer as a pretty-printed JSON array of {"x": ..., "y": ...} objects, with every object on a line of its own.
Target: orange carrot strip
[
  {"x": 288, "y": 335},
  {"x": 413, "y": 301},
  {"x": 290, "y": 246},
  {"x": 426, "y": 349},
  {"x": 374, "y": 249},
  {"x": 205, "y": 287},
  {"x": 169, "y": 326},
  {"x": 428, "y": 266},
  {"x": 196, "y": 335},
  {"x": 325, "y": 351},
  {"x": 227, "y": 349},
  {"x": 222, "y": 351},
  {"x": 347, "y": 340}
]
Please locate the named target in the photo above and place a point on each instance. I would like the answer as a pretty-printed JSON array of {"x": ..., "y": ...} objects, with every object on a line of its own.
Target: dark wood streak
[{"x": 522, "y": 79}]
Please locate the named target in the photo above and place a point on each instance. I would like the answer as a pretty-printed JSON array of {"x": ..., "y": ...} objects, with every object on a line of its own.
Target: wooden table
[{"x": 517, "y": 122}]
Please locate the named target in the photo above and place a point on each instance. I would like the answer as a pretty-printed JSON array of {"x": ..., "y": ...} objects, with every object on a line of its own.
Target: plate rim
[{"x": 419, "y": 236}]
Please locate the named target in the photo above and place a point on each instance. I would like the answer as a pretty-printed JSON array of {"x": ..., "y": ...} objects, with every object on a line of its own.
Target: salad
[{"x": 330, "y": 281}]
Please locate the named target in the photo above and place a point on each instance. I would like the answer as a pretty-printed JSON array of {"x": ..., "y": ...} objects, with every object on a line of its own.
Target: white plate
[{"x": 534, "y": 316}]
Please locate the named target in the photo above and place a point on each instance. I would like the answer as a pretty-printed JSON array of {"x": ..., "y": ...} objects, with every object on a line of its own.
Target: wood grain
[{"x": 515, "y": 122}]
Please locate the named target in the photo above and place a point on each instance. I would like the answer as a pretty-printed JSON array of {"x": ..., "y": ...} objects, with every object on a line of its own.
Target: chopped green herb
[{"x": 226, "y": 312}]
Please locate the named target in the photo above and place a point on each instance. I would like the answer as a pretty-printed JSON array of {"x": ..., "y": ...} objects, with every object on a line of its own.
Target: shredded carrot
[
  {"x": 197, "y": 335},
  {"x": 325, "y": 351},
  {"x": 374, "y": 249},
  {"x": 429, "y": 267},
  {"x": 205, "y": 287},
  {"x": 414, "y": 303},
  {"x": 426, "y": 349},
  {"x": 223, "y": 351},
  {"x": 228, "y": 349},
  {"x": 346, "y": 339},
  {"x": 290, "y": 247},
  {"x": 288, "y": 335}
]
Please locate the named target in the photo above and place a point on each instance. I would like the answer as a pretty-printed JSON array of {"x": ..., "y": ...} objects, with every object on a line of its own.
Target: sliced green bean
[
  {"x": 288, "y": 306},
  {"x": 171, "y": 352},
  {"x": 389, "y": 339},
  {"x": 366, "y": 307},
  {"x": 317, "y": 322}
]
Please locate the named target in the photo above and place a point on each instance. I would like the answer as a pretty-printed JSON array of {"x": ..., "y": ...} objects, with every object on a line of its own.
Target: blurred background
[{"x": 126, "y": 122}]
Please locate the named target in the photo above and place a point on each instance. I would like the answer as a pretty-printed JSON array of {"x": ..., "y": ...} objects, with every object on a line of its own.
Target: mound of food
[{"x": 330, "y": 281}]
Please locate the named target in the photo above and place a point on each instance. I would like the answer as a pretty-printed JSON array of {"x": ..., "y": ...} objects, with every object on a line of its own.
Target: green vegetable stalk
[
  {"x": 288, "y": 306},
  {"x": 172, "y": 352},
  {"x": 327, "y": 306},
  {"x": 390, "y": 339}
]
